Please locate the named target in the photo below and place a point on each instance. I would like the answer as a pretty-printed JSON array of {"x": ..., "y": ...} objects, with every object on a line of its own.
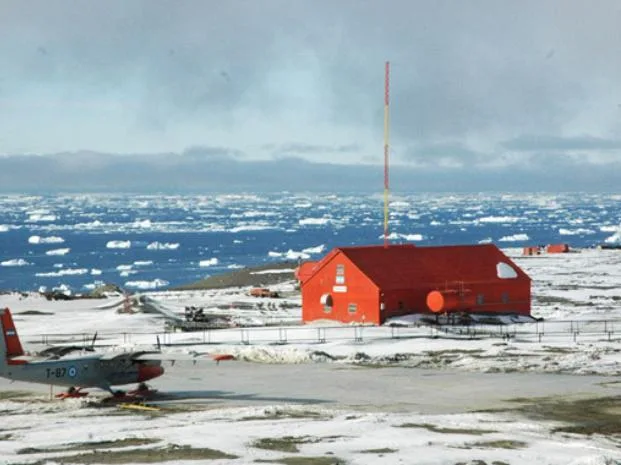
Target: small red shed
[
  {"x": 531, "y": 250},
  {"x": 369, "y": 284},
  {"x": 557, "y": 248}
]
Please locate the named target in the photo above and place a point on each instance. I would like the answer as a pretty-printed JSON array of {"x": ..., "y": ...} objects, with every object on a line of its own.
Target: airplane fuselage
[{"x": 87, "y": 371}]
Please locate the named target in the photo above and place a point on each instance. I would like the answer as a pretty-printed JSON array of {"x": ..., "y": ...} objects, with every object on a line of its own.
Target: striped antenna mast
[{"x": 386, "y": 142}]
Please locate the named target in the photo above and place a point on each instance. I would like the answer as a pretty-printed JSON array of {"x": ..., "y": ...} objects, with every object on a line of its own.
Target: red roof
[{"x": 404, "y": 266}]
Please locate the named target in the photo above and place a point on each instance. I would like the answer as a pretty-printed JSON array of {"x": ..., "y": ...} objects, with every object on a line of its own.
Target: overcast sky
[{"x": 487, "y": 85}]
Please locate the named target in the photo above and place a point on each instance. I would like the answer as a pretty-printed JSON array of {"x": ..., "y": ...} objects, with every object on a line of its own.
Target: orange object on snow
[{"x": 557, "y": 248}]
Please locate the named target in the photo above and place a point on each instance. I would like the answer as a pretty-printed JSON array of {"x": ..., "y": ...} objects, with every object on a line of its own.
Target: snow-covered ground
[
  {"x": 577, "y": 295},
  {"x": 38, "y": 432}
]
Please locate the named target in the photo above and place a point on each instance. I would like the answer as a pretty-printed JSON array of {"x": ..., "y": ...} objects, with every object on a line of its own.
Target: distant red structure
[
  {"x": 370, "y": 284},
  {"x": 263, "y": 292},
  {"x": 551, "y": 248},
  {"x": 531, "y": 250},
  {"x": 557, "y": 248}
]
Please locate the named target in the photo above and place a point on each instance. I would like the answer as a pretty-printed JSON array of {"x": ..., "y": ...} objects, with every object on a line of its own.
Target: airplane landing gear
[
  {"x": 71, "y": 393},
  {"x": 143, "y": 391}
]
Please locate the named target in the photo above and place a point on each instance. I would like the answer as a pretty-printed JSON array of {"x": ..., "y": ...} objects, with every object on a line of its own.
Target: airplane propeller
[{"x": 92, "y": 347}]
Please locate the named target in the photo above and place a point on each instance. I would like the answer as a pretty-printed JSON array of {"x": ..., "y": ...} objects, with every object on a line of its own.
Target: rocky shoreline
[{"x": 256, "y": 276}]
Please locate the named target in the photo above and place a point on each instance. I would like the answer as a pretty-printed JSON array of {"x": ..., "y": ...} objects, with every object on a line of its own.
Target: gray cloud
[
  {"x": 470, "y": 81},
  {"x": 170, "y": 172},
  {"x": 292, "y": 149},
  {"x": 562, "y": 144},
  {"x": 456, "y": 154},
  {"x": 202, "y": 152}
]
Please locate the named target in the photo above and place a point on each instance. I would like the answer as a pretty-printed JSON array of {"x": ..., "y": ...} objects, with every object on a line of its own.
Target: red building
[
  {"x": 557, "y": 248},
  {"x": 305, "y": 271},
  {"x": 372, "y": 283},
  {"x": 531, "y": 250}
]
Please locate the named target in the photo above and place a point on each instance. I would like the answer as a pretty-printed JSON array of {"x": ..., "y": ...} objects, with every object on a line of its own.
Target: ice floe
[
  {"x": 45, "y": 240},
  {"x": 118, "y": 244}
]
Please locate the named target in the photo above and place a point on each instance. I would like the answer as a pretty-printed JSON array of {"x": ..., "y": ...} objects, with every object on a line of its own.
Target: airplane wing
[
  {"x": 116, "y": 355},
  {"x": 182, "y": 357},
  {"x": 161, "y": 356}
]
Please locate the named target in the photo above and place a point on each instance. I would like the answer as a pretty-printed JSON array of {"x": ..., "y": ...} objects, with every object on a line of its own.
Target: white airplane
[{"x": 57, "y": 366}]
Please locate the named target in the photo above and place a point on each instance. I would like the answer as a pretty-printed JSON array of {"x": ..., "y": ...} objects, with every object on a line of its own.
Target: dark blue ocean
[{"x": 158, "y": 241}]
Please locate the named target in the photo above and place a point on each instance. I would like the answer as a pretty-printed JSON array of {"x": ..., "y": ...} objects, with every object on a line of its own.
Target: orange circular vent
[{"x": 435, "y": 301}]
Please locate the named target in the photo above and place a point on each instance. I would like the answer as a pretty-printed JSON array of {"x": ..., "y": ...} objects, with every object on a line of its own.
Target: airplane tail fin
[{"x": 10, "y": 345}]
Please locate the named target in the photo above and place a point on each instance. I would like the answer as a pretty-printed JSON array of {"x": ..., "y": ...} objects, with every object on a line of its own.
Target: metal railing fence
[{"x": 561, "y": 331}]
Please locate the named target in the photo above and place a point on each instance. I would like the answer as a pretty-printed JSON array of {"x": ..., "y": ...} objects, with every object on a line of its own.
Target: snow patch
[
  {"x": 58, "y": 251},
  {"x": 499, "y": 219},
  {"x": 615, "y": 238},
  {"x": 575, "y": 232},
  {"x": 142, "y": 224},
  {"x": 313, "y": 250},
  {"x": 15, "y": 262},
  {"x": 514, "y": 238},
  {"x": 314, "y": 221},
  {"x": 118, "y": 244},
  {"x": 283, "y": 270},
  {"x": 155, "y": 284},
  {"x": 63, "y": 272},
  {"x": 251, "y": 227},
  {"x": 289, "y": 255},
  {"x": 406, "y": 237},
  {"x": 45, "y": 240},
  {"x": 209, "y": 262},
  {"x": 40, "y": 218},
  {"x": 94, "y": 285},
  {"x": 163, "y": 246}
]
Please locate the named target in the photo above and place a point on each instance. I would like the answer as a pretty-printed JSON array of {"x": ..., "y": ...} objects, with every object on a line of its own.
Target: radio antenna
[{"x": 386, "y": 143}]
